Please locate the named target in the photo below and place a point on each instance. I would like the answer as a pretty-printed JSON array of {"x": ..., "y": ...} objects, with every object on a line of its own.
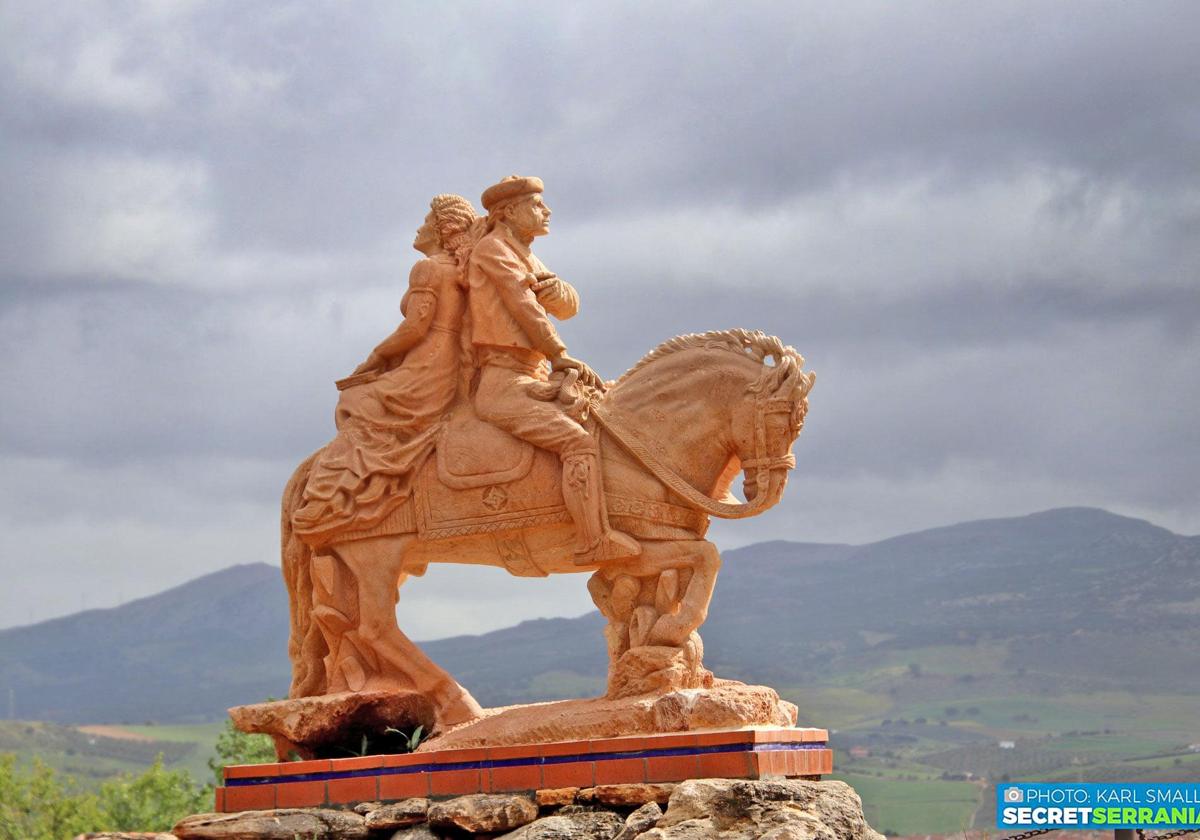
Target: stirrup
[{"x": 611, "y": 545}]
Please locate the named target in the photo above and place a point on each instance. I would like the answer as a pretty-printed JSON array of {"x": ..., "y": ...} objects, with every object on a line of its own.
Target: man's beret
[{"x": 514, "y": 186}]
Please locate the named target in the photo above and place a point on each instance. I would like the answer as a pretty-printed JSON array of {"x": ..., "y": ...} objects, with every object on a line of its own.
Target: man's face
[
  {"x": 427, "y": 236},
  {"x": 530, "y": 216}
]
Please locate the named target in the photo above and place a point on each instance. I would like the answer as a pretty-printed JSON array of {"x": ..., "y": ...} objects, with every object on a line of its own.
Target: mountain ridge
[{"x": 1079, "y": 597}]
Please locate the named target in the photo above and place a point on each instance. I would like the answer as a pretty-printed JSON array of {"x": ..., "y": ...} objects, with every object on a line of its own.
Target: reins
[{"x": 680, "y": 486}]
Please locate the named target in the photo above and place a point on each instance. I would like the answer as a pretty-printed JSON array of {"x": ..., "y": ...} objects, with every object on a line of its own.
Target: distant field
[
  {"x": 906, "y": 807},
  {"x": 931, "y": 736},
  {"x": 836, "y": 706},
  {"x": 107, "y": 751},
  {"x": 202, "y": 735},
  {"x": 920, "y": 766}
]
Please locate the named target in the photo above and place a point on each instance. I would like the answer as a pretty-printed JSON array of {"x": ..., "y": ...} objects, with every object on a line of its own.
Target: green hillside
[{"x": 1069, "y": 635}]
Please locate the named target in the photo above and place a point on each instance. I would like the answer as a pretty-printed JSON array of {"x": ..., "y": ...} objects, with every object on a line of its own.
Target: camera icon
[{"x": 1013, "y": 794}]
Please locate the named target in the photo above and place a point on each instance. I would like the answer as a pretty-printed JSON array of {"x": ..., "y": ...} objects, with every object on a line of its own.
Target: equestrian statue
[{"x": 469, "y": 435}]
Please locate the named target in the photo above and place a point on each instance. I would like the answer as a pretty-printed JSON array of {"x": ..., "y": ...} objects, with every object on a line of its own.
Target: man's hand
[
  {"x": 586, "y": 375},
  {"x": 545, "y": 285}
]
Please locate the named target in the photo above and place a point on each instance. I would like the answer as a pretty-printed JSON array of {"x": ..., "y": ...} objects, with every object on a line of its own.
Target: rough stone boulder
[
  {"x": 483, "y": 813},
  {"x": 400, "y": 814},
  {"x": 643, "y": 819},
  {"x": 282, "y": 824},
  {"x": 780, "y": 810},
  {"x": 580, "y": 825},
  {"x": 416, "y": 832}
]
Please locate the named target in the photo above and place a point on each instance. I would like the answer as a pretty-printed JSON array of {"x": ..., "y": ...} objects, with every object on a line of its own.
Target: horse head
[
  {"x": 712, "y": 403},
  {"x": 765, "y": 424}
]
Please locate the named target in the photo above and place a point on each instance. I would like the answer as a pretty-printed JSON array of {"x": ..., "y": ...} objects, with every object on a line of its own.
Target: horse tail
[{"x": 306, "y": 645}]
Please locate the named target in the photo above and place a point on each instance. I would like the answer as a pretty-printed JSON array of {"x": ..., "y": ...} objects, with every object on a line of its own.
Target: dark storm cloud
[
  {"x": 977, "y": 221},
  {"x": 319, "y": 124}
]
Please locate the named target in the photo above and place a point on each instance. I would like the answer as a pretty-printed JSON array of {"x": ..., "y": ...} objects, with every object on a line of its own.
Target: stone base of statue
[
  {"x": 338, "y": 725},
  {"x": 380, "y": 722},
  {"x": 725, "y": 705}
]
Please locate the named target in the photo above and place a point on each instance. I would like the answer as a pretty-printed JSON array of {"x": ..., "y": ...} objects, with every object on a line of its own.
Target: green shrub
[
  {"x": 153, "y": 801},
  {"x": 36, "y": 804},
  {"x": 236, "y": 747},
  {"x": 39, "y": 804}
]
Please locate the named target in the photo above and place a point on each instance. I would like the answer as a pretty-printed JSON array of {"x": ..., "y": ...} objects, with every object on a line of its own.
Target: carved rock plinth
[
  {"x": 727, "y": 704},
  {"x": 334, "y": 725}
]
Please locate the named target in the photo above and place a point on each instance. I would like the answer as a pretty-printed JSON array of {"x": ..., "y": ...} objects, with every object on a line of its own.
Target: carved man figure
[{"x": 510, "y": 295}]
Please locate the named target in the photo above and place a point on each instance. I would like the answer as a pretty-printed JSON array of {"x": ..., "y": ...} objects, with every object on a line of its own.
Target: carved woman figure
[{"x": 391, "y": 408}]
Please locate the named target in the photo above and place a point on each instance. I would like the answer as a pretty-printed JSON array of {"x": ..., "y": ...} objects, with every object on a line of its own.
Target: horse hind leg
[
  {"x": 306, "y": 642},
  {"x": 369, "y": 651}
]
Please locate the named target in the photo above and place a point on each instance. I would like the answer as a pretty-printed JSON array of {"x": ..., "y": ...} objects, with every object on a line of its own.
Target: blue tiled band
[{"x": 533, "y": 760}]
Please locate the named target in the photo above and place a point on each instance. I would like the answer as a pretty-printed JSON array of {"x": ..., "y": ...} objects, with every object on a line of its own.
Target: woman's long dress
[{"x": 387, "y": 427}]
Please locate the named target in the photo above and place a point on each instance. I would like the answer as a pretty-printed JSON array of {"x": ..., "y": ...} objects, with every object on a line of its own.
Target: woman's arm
[{"x": 420, "y": 306}]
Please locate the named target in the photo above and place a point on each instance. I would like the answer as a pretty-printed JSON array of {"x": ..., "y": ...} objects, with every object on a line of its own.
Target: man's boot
[{"x": 583, "y": 492}]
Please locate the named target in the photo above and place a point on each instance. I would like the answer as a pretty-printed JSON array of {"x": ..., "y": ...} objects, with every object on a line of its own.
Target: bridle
[{"x": 762, "y": 462}]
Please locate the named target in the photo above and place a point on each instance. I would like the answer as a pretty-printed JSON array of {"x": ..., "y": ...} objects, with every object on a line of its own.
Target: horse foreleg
[
  {"x": 676, "y": 628},
  {"x": 654, "y": 605},
  {"x": 395, "y": 662}
]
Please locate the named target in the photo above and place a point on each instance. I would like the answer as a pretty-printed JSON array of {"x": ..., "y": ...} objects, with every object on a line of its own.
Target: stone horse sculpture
[{"x": 674, "y": 432}]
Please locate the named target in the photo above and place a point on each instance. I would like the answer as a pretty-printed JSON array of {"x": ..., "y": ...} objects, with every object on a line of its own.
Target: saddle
[
  {"x": 483, "y": 480},
  {"x": 474, "y": 453}
]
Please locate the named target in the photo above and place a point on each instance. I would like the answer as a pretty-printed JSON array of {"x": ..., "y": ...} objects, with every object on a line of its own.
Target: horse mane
[{"x": 753, "y": 344}]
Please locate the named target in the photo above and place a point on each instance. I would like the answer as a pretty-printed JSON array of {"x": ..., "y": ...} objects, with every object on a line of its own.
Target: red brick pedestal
[{"x": 755, "y": 753}]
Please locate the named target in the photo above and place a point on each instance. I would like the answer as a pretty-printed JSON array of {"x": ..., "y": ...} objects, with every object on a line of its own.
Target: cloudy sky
[{"x": 980, "y": 223}]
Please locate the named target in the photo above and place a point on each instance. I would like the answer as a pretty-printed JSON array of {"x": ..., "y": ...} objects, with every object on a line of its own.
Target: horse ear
[
  {"x": 792, "y": 377},
  {"x": 798, "y": 383},
  {"x": 785, "y": 375},
  {"x": 808, "y": 380}
]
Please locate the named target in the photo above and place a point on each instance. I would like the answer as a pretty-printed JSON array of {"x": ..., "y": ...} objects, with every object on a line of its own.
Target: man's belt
[{"x": 519, "y": 359}]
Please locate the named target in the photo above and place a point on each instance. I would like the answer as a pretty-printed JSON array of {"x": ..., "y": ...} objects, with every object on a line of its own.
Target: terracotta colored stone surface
[
  {"x": 627, "y": 794},
  {"x": 495, "y": 456},
  {"x": 325, "y": 725},
  {"x": 283, "y": 824},
  {"x": 727, "y": 704},
  {"x": 554, "y": 797},
  {"x": 483, "y": 813}
]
